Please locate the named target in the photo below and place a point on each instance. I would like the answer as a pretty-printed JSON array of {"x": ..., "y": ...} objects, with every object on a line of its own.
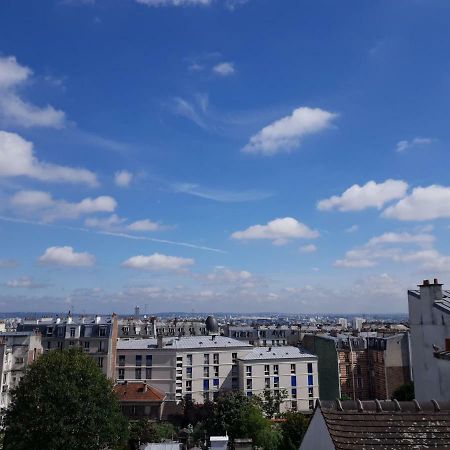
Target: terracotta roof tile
[{"x": 138, "y": 392}]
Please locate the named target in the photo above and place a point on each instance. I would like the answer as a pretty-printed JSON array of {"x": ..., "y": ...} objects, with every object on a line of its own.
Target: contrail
[{"x": 112, "y": 233}]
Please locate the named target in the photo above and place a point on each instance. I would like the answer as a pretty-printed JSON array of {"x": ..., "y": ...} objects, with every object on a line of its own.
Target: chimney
[
  {"x": 430, "y": 292},
  {"x": 97, "y": 319}
]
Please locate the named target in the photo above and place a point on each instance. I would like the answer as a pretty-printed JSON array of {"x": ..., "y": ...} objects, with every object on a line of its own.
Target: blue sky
[{"x": 214, "y": 155}]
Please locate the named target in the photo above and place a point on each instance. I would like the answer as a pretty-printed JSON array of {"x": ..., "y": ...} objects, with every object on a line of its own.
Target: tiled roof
[
  {"x": 138, "y": 392},
  {"x": 285, "y": 352},
  {"x": 184, "y": 342},
  {"x": 387, "y": 424}
]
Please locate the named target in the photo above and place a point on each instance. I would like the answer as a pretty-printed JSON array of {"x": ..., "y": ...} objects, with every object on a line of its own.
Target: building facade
[{"x": 17, "y": 351}]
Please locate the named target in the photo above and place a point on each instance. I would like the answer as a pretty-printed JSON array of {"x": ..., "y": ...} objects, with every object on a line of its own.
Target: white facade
[
  {"x": 357, "y": 323},
  {"x": 343, "y": 323},
  {"x": 17, "y": 352},
  {"x": 286, "y": 369},
  {"x": 429, "y": 316}
]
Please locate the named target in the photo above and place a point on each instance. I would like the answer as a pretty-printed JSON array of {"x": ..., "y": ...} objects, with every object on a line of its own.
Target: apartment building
[
  {"x": 265, "y": 335},
  {"x": 97, "y": 337},
  {"x": 198, "y": 367},
  {"x": 429, "y": 316},
  {"x": 17, "y": 351},
  {"x": 287, "y": 369}
]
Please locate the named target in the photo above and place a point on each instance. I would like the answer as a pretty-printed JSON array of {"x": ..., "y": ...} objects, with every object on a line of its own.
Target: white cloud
[
  {"x": 424, "y": 203},
  {"x": 402, "y": 238},
  {"x": 224, "y": 69},
  {"x": 285, "y": 134},
  {"x": 185, "y": 109},
  {"x": 352, "y": 229},
  {"x": 157, "y": 262},
  {"x": 280, "y": 231},
  {"x": 123, "y": 178},
  {"x": 310, "y": 248},
  {"x": 371, "y": 195},
  {"x": 225, "y": 275},
  {"x": 17, "y": 159},
  {"x": 24, "y": 283},
  {"x": 43, "y": 205},
  {"x": 13, "y": 108},
  {"x": 175, "y": 2},
  {"x": 416, "y": 142},
  {"x": 144, "y": 225},
  {"x": 65, "y": 256}
]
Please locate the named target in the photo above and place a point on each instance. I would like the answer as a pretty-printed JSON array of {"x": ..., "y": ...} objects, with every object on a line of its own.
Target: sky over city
[{"x": 223, "y": 155}]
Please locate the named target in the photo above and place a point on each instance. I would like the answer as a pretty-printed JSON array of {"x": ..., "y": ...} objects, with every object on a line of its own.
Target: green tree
[
  {"x": 293, "y": 429},
  {"x": 404, "y": 393},
  {"x": 64, "y": 402},
  {"x": 143, "y": 431},
  {"x": 270, "y": 401}
]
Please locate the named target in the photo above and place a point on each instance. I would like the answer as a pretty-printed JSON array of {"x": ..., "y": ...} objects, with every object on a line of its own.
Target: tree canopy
[{"x": 64, "y": 402}]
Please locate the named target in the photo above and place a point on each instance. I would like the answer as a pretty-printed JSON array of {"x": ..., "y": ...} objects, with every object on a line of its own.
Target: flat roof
[{"x": 285, "y": 352}]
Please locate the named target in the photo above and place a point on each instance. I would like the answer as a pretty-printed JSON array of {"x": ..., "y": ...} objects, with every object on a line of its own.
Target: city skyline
[{"x": 294, "y": 160}]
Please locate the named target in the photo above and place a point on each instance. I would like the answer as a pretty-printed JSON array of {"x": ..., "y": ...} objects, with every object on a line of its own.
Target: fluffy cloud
[
  {"x": 43, "y": 205},
  {"x": 285, "y": 134},
  {"x": 280, "y": 231},
  {"x": 416, "y": 248},
  {"x": 352, "y": 229},
  {"x": 157, "y": 262},
  {"x": 428, "y": 203},
  {"x": 13, "y": 108},
  {"x": 175, "y": 2},
  {"x": 310, "y": 248},
  {"x": 371, "y": 195},
  {"x": 225, "y": 275},
  {"x": 17, "y": 159},
  {"x": 66, "y": 256},
  {"x": 406, "y": 145},
  {"x": 224, "y": 69},
  {"x": 144, "y": 225},
  {"x": 23, "y": 283},
  {"x": 123, "y": 178}
]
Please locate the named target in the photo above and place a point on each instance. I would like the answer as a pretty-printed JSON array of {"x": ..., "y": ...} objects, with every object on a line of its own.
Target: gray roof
[
  {"x": 285, "y": 352},
  {"x": 184, "y": 342},
  {"x": 387, "y": 424}
]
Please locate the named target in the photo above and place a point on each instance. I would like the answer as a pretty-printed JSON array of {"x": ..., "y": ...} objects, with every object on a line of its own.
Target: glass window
[
  {"x": 121, "y": 360},
  {"x": 148, "y": 360},
  {"x": 248, "y": 371},
  {"x": 294, "y": 405},
  {"x": 234, "y": 358},
  {"x": 206, "y": 396},
  {"x": 216, "y": 371},
  {"x": 310, "y": 392},
  {"x": 266, "y": 369},
  {"x": 189, "y": 385},
  {"x": 206, "y": 358},
  {"x": 188, "y": 372},
  {"x": 86, "y": 344},
  {"x": 310, "y": 368},
  {"x": 102, "y": 331},
  {"x": 138, "y": 360},
  {"x": 189, "y": 360},
  {"x": 216, "y": 358},
  {"x": 293, "y": 380},
  {"x": 275, "y": 369},
  {"x": 72, "y": 332},
  {"x": 249, "y": 383},
  {"x": 292, "y": 368},
  {"x": 100, "y": 362},
  {"x": 311, "y": 404},
  {"x": 148, "y": 374},
  {"x": 206, "y": 371},
  {"x": 267, "y": 383},
  {"x": 294, "y": 393},
  {"x": 216, "y": 382},
  {"x": 249, "y": 393},
  {"x": 121, "y": 374},
  {"x": 276, "y": 382},
  {"x": 310, "y": 380},
  {"x": 206, "y": 385},
  {"x": 137, "y": 374}
]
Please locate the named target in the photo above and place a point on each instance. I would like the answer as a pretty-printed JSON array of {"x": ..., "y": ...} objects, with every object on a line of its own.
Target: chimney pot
[
  {"x": 436, "y": 281},
  {"x": 426, "y": 282}
]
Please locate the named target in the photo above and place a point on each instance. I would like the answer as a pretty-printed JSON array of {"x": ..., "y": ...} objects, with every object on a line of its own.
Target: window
[
  {"x": 137, "y": 374},
  {"x": 292, "y": 368},
  {"x": 234, "y": 358},
  {"x": 216, "y": 383},
  {"x": 121, "y": 374},
  {"x": 189, "y": 360},
  {"x": 102, "y": 332},
  {"x": 72, "y": 343},
  {"x": 249, "y": 393},
  {"x": 188, "y": 397},
  {"x": 206, "y": 385},
  {"x": 216, "y": 371},
  {"x": 267, "y": 383},
  {"x": 60, "y": 345},
  {"x": 310, "y": 380},
  {"x": 49, "y": 345},
  {"x": 293, "y": 380},
  {"x": 311, "y": 404},
  {"x": 148, "y": 360},
  {"x": 216, "y": 358},
  {"x": 206, "y": 396},
  {"x": 294, "y": 405},
  {"x": 275, "y": 369},
  {"x": 100, "y": 362},
  {"x": 294, "y": 393},
  {"x": 266, "y": 369},
  {"x": 121, "y": 360},
  {"x": 249, "y": 383},
  {"x": 100, "y": 346},
  {"x": 148, "y": 374},
  {"x": 310, "y": 368},
  {"x": 206, "y": 358},
  {"x": 188, "y": 372},
  {"x": 138, "y": 360},
  {"x": 206, "y": 371},
  {"x": 276, "y": 382},
  {"x": 72, "y": 332},
  {"x": 248, "y": 371},
  {"x": 310, "y": 392},
  {"x": 87, "y": 344},
  {"x": 189, "y": 385}
]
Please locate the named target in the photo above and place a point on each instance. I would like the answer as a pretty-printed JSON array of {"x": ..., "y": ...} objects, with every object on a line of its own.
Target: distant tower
[
  {"x": 212, "y": 326},
  {"x": 136, "y": 312}
]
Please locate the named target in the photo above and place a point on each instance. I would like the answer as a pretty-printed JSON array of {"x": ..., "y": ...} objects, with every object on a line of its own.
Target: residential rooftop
[{"x": 285, "y": 352}]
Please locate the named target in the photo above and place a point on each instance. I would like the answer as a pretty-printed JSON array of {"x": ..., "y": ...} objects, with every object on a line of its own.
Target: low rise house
[{"x": 389, "y": 425}]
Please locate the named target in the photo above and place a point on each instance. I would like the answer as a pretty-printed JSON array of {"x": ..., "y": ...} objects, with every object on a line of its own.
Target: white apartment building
[
  {"x": 198, "y": 367},
  {"x": 17, "y": 351},
  {"x": 281, "y": 368},
  {"x": 429, "y": 317}
]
